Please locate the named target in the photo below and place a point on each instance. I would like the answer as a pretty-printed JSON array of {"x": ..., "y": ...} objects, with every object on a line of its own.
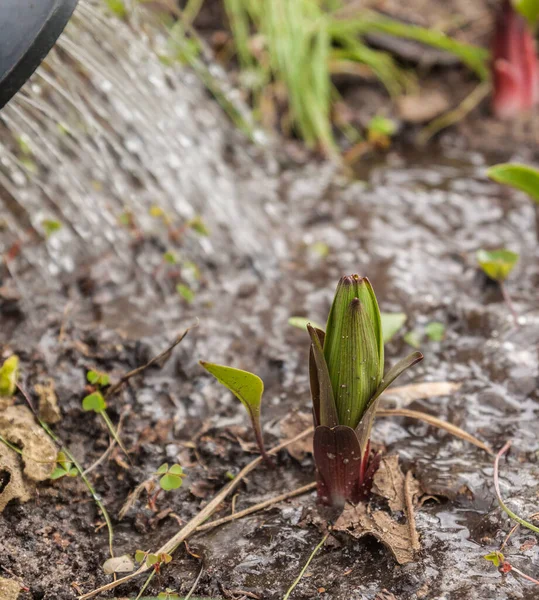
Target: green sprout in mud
[
  {"x": 248, "y": 389},
  {"x": 96, "y": 403},
  {"x": 347, "y": 378},
  {"x": 98, "y": 378},
  {"x": 168, "y": 594},
  {"x": 185, "y": 292},
  {"x": 497, "y": 265},
  {"x": 64, "y": 467},
  {"x": 170, "y": 478},
  {"x": 152, "y": 560},
  {"x": 51, "y": 226},
  {"x": 9, "y": 373},
  {"x": 434, "y": 331}
]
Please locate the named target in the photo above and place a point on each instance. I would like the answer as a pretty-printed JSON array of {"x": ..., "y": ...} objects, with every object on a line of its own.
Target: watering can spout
[{"x": 28, "y": 30}]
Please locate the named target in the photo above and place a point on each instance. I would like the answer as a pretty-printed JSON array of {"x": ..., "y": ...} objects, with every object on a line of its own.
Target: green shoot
[
  {"x": 170, "y": 257},
  {"x": 9, "y": 373},
  {"x": 168, "y": 594},
  {"x": 64, "y": 467},
  {"x": 171, "y": 477},
  {"x": 198, "y": 225},
  {"x": 248, "y": 389},
  {"x": 529, "y": 9},
  {"x": 185, "y": 292},
  {"x": 496, "y": 558},
  {"x": 117, "y": 8},
  {"x": 96, "y": 403},
  {"x": 50, "y": 226},
  {"x": 98, "y": 378},
  {"x": 497, "y": 265},
  {"x": 520, "y": 177},
  {"x": 435, "y": 331}
]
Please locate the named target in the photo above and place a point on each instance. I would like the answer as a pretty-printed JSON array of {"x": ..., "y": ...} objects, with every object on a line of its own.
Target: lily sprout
[
  {"x": 514, "y": 65},
  {"x": 346, "y": 368}
]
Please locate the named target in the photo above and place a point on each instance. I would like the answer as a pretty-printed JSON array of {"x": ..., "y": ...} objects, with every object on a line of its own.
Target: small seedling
[
  {"x": 248, "y": 389},
  {"x": 152, "y": 560},
  {"x": 98, "y": 378},
  {"x": 9, "y": 373},
  {"x": 170, "y": 257},
  {"x": 380, "y": 130},
  {"x": 346, "y": 367},
  {"x": 117, "y": 8},
  {"x": 185, "y": 292},
  {"x": 435, "y": 331},
  {"x": 96, "y": 403},
  {"x": 50, "y": 226},
  {"x": 171, "y": 477},
  {"x": 497, "y": 265},
  {"x": 64, "y": 467},
  {"x": 198, "y": 225}
]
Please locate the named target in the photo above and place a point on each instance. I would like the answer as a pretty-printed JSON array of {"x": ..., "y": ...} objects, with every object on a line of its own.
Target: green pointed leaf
[
  {"x": 247, "y": 387},
  {"x": 162, "y": 469},
  {"x": 50, "y": 226},
  {"x": 185, "y": 292},
  {"x": 521, "y": 177},
  {"x": 321, "y": 388},
  {"x": 435, "y": 331},
  {"x": 9, "y": 373},
  {"x": 391, "y": 324},
  {"x": 497, "y": 264},
  {"x": 353, "y": 364},
  {"x": 364, "y": 427},
  {"x": 497, "y": 558},
  {"x": 94, "y": 402}
]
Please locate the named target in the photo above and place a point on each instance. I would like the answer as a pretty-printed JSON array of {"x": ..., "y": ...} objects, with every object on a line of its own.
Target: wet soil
[{"x": 280, "y": 235}]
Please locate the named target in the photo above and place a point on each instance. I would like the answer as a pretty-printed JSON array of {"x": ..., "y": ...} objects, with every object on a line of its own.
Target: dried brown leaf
[
  {"x": 358, "y": 522},
  {"x": 49, "y": 411},
  {"x": 388, "y": 482},
  {"x": 293, "y": 424},
  {"x": 406, "y": 394}
]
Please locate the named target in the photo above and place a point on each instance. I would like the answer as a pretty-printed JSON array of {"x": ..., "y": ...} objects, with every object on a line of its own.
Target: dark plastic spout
[{"x": 28, "y": 30}]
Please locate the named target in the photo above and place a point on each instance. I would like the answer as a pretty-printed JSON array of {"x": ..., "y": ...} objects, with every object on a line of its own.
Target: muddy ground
[{"x": 98, "y": 294}]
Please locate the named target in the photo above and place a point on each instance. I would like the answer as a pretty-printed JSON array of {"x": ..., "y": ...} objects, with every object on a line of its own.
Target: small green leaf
[
  {"x": 435, "y": 331},
  {"x": 529, "y": 9},
  {"x": 413, "y": 338},
  {"x": 152, "y": 559},
  {"x": 63, "y": 467},
  {"x": 50, "y": 226},
  {"x": 117, "y": 7},
  {"x": 302, "y": 322},
  {"x": 497, "y": 558},
  {"x": 198, "y": 225},
  {"x": 165, "y": 558},
  {"x": 140, "y": 555},
  {"x": 521, "y": 177},
  {"x": 92, "y": 376},
  {"x": 247, "y": 387},
  {"x": 94, "y": 402},
  {"x": 497, "y": 264},
  {"x": 185, "y": 292},
  {"x": 9, "y": 373},
  {"x": 176, "y": 470},
  {"x": 382, "y": 125},
  {"x": 162, "y": 469},
  {"x": 391, "y": 324},
  {"x": 170, "y": 257}
]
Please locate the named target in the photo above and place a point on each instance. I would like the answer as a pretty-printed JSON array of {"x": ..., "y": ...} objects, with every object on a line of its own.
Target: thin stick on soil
[
  {"x": 508, "y": 301},
  {"x": 170, "y": 546},
  {"x": 107, "y": 452},
  {"x": 194, "y": 586},
  {"x": 422, "y": 416},
  {"x": 302, "y": 572},
  {"x": 114, "y": 388},
  {"x": 257, "y": 507},
  {"x": 414, "y": 537},
  {"x": 506, "y": 509},
  {"x": 146, "y": 584},
  {"x": 515, "y": 570}
]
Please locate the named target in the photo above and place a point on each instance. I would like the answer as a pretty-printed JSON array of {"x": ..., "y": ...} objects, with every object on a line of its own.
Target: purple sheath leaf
[
  {"x": 338, "y": 462},
  {"x": 326, "y": 409},
  {"x": 364, "y": 427},
  {"x": 313, "y": 376}
]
